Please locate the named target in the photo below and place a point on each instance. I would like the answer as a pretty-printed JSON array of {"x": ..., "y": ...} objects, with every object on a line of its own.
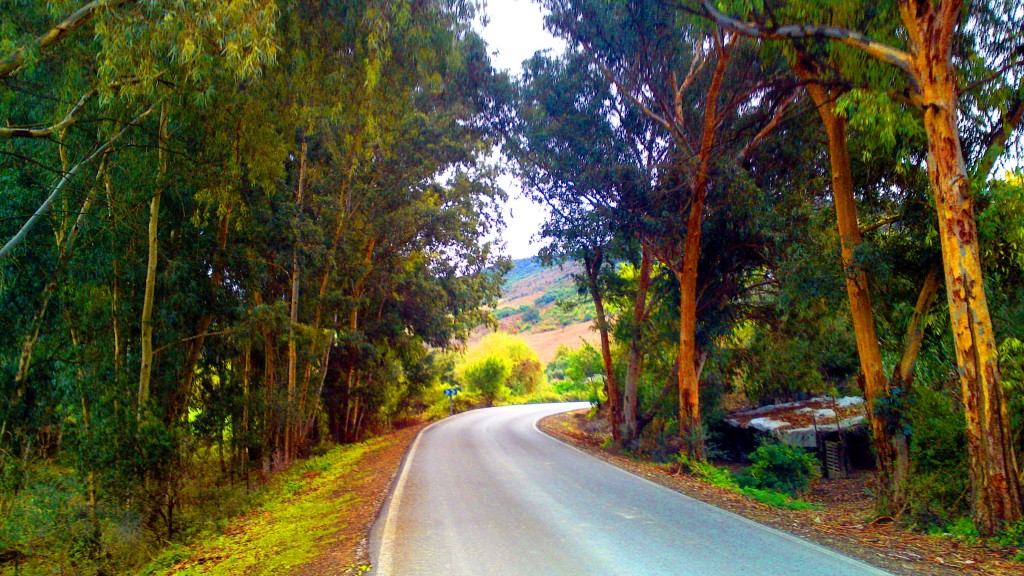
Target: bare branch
[
  {"x": 69, "y": 119},
  {"x": 882, "y": 52},
  {"x": 45, "y": 206},
  {"x": 883, "y": 222},
  {"x": 610, "y": 77},
  {"x": 997, "y": 138},
  {"x": 770, "y": 127}
]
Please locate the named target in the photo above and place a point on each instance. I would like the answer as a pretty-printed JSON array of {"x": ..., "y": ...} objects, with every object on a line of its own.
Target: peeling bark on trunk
[
  {"x": 635, "y": 355},
  {"x": 690, "y": 429},
  {"x": 995, "y": 476},
  {"x": 931, "y": 27}
]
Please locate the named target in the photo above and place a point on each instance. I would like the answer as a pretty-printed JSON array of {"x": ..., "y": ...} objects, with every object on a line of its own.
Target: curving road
[{"x": 486, "y": 493}]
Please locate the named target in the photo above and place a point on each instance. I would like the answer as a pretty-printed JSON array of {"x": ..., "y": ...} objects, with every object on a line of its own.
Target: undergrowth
[
  {"x": 723, "y": 478},
  {"x": 298, "y": 509}
]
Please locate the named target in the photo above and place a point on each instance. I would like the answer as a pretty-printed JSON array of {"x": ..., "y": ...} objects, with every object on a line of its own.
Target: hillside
[{"x": 542, "y": 305}]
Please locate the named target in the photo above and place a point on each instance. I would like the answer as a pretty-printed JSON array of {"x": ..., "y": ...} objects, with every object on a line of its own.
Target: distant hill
[
  {"x": 528, "y": 276},
  {"x": 542, "y": 305}
]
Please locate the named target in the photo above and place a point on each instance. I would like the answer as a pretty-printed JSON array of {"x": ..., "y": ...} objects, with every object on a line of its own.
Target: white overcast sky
[{"x": 515, "y": 31}]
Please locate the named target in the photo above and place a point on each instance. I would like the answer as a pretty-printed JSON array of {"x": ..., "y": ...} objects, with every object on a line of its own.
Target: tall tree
[
  {"x": 693, "y": 83},
  {"x": 930, "y": 30}
]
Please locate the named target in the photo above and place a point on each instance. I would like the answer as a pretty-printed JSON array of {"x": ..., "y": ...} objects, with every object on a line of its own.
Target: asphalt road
[{"x": 486, "y": 493}]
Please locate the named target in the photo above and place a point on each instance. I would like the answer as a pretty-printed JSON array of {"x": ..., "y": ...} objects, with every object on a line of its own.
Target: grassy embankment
[{"x": 304, "y": 511}]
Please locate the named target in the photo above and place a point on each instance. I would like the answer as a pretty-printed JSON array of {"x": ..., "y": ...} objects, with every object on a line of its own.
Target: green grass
[
  {"x": 778, "y": 499},
  {"x": 288, "y": 530},
  {"x": 723, "y": 478}
]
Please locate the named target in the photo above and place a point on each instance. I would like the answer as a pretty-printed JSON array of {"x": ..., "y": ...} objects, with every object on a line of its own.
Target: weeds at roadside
[{"x": 723, "y": 478}]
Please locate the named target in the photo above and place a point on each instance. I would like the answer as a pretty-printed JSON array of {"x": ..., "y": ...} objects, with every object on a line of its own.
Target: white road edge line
[
  {"x": 385, "y": 560},
  {"x": 793, "y": 537}
]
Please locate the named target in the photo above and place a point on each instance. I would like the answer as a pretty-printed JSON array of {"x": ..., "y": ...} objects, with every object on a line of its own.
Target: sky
[{"x": 515, "y": 31}]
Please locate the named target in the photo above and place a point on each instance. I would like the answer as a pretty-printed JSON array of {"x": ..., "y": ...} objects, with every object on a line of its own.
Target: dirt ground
[
  {"x": 845, "y": 523},
  {"x": 350, "y": 546}
]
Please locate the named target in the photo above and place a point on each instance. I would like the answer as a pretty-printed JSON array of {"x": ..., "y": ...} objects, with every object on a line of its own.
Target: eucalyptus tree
[
  {"x": 571, "y": 149},
  {"x": 942, "y": 51},
  {"x": 229, "y": 186},
  {"x": 698, "y": 85}
]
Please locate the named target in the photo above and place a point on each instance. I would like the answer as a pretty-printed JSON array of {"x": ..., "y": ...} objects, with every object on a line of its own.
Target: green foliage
[
  {"x": 325, "y": 153},
  {"x": 780, "y": 467},
  {"x": 961, "y": 528},
  {"x": 577, "y": 373},
  {"x": 708, "y": 472},
  {"x": 778, "y": 499},
  {"x": 722, "y": 478},
  {"x": 288, "y": 527},
  {"x": 488, "y": 376},
  {"x": 1013, "y": 535},
  {"x": 938, "y": 455},
  {"x": 506, "y": 312},
  {"x": 525, "y": 371}
]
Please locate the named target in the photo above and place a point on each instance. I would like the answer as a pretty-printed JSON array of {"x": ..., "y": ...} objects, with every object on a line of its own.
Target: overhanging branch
[
  {"x": 13, "y": 62},
  {"x": 69, "y": 119},
  {"x": 882, "y": 52}
]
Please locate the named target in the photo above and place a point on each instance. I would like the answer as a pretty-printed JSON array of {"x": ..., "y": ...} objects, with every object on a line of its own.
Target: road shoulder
[{"x": 841, "y": 526}]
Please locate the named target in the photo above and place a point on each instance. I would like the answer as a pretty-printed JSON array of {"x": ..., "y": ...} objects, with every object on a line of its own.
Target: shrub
[
  {"x": 938, "y": 451},
  {"x": 722, "y": 478},
  {"x": 1013, "y": 535},
  {"x": 780, "y": 467},
  {"x": 488, "y": 377}
]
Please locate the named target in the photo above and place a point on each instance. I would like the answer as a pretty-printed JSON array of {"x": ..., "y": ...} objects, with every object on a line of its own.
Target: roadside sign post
[{"x": 451, "y": 393}]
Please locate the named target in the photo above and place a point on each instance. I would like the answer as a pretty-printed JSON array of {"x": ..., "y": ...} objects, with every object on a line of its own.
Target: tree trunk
[
  {"x": 290, "y": 443},
  {"x": 146, "y": 366},
  {"x": 115, "y": 309},
  {"x": 63, "y": 257},
  {"x": 635, "y": 355},
  {"x": 269, "y": 383},
  {"x": 690, "y": 429},
  {"x": 995, "y": 476},
  {"x": 891, "y": 449},
  {"x": 592, "y": 264},
  {"x": 904, "y": 373}
]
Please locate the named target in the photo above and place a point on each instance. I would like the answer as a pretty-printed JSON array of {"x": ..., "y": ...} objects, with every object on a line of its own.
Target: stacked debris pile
[{"x": 808, "y": 424}]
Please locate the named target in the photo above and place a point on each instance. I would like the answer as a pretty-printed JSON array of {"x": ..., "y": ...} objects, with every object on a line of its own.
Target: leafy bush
[
  {"x": 1013, "y": 535},
  {"x": 707, "y": 472},
  {"x": 531, "y": 315},
  {"x": 780, "y": 467},
  {"x": 525, "y": 373},
  {"x": 488, "y": 377},
  {"x": 501, "y": 313},
  {"x": 938, "y": 453},
  {"x": 722, "y": 478},
  {"x": 579, "y": 372}
]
